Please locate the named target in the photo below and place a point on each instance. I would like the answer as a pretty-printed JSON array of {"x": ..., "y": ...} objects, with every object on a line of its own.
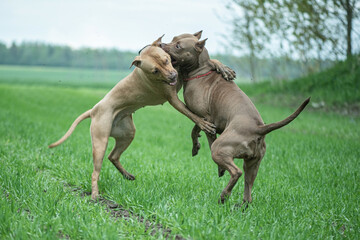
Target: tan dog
[
  {"x": 151, "y": 83},
  {"x": 223, "y": 103}
]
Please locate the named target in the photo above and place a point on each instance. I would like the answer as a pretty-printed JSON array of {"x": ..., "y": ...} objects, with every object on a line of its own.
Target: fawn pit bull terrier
[
  {"x": 241, "y": 128},
  {"x": 152, "y": 82}
]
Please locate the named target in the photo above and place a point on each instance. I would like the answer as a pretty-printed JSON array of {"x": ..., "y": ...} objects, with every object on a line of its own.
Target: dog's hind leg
[
  {"x": 221, "y": 153},
  {"x": 235, "y": 173},
  {"x": 251, "y": 167},
  {"x": 100, "y": 131},
  {"x": 211, "y": 138},
  {"x": 123, "y": 132}
]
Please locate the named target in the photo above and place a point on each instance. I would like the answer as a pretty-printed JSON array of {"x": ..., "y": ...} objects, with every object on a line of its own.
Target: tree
[
  {"x": 347, "y": 12},
  {"x": 307, "y": 29},
  {"x": 247, "y": 35},
  {"x": 3, "y": 53},
  {"x": 13, "y": 53}
]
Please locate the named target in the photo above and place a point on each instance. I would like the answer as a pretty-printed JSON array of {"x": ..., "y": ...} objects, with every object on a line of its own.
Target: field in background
[
  {"x": 60, "y": 77},
  {"x": 307, "y": 186},
  {"x": 335, "y": 89}
]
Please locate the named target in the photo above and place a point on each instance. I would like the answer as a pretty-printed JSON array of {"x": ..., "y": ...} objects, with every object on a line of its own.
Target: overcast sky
[{"x": 109, "y": 23}]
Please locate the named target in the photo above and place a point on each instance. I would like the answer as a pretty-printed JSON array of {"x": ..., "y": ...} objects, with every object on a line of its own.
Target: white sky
[{"x": 126, "y": 25}]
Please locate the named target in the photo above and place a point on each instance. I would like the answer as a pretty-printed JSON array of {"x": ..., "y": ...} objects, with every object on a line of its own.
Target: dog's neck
[
  {"x": 142, "y": 81},
  {"x": 189, "y": 67},
  {"x": 201, "y": 67}
]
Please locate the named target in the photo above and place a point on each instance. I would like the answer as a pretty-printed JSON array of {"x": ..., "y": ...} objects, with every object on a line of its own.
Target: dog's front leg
[
  {"x": 195, "y": 134},
  {"x": 227, "y": 73},
  {"x": 180, "y": 106}
]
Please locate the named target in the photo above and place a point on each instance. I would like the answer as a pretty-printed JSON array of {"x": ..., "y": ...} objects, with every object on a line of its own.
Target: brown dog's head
[
  {"x": 156, "y": 64},
  {"x": 185, "y": 50}
]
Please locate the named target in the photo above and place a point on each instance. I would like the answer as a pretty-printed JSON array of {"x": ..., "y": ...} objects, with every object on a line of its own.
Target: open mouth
[
  {"x": 173, "y": 61},
  {"x": 171, "y": 83}
]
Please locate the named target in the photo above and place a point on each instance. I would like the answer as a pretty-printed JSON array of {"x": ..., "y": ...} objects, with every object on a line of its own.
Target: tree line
[{"x": 41, "y": 54}]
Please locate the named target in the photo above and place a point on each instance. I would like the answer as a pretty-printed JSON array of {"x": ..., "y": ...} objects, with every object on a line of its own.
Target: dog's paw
[
  {"x": 222, "y": 200},
  {"x": 228, "y": 74},
  {"x": 95, "y": 196},
  {"x": 207, "y": 127},
  {"x": 195, "y": 149},
  {"x": 241, "y": 206},
  {"x": 129, "y": 176}
]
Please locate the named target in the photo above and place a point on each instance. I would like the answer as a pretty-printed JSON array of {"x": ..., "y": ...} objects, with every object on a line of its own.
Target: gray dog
[{"x": 224, "y": 104}]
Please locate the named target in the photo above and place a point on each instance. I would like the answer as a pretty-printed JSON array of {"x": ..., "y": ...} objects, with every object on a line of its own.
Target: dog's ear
[
  {"x": 198, "y": 34},
  {"x": 199, "y": 46},
  {"x": 157, "y": 42},
  {"x": 136, "y": 62}
]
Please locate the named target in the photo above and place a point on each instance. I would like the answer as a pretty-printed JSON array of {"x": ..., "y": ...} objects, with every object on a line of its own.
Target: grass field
[
  {"x": 60, "y": 77},
  {"x": 335, "y": 89},
  {"x": 307, "y": 186}
]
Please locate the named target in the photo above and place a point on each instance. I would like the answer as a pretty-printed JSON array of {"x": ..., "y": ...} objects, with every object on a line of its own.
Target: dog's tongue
[{"x": 173, "y": 83}]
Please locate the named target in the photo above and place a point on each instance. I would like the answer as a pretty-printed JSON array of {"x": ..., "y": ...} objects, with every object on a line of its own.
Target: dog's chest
[{"x": 196, "y": 96}]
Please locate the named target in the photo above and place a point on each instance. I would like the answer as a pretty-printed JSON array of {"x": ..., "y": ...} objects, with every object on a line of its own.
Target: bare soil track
[{"x": 117, "y": 211}]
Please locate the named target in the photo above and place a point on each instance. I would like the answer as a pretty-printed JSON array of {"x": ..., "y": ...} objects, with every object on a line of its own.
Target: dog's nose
[{"x": 173, "y": 76}]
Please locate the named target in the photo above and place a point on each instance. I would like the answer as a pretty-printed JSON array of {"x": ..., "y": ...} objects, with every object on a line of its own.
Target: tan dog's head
[
  {"x": 185, "y": 50},
  {"x": 156, "y": 64}
]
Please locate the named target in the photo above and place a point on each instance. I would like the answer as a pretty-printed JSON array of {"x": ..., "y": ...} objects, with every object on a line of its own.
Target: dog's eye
[
  {"x": 155, "y": 71},
  {"x": 178, "y": 46}
]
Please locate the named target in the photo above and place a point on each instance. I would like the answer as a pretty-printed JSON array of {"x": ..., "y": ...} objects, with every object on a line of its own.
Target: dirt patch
[
  {"x": 117, "y": 211},
  {"x": 61, "y": 235},
  {"x": 342, "y": 228}
]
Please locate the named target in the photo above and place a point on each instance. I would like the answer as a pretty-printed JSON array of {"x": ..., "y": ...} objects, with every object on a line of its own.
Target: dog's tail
[
  {"x": 72, "y": 128},
  {"x": 263, "y": 130}
]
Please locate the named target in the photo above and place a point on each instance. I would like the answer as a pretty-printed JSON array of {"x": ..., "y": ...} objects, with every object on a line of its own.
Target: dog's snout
[
  {"x": 164, "y": 47},
  {"x": 173, "y": 76}
]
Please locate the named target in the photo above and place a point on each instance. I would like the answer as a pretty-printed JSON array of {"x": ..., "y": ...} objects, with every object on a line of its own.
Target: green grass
[
  {"x": 60, "y": 77},
  {"x": 307, "y": 186},
  {"x": 336, "y": 87}
]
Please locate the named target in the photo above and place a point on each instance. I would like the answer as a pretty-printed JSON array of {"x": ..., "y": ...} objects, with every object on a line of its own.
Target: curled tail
[
  {"x": 263, "y": 130},
  {"x": 72, "y": 128}
]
